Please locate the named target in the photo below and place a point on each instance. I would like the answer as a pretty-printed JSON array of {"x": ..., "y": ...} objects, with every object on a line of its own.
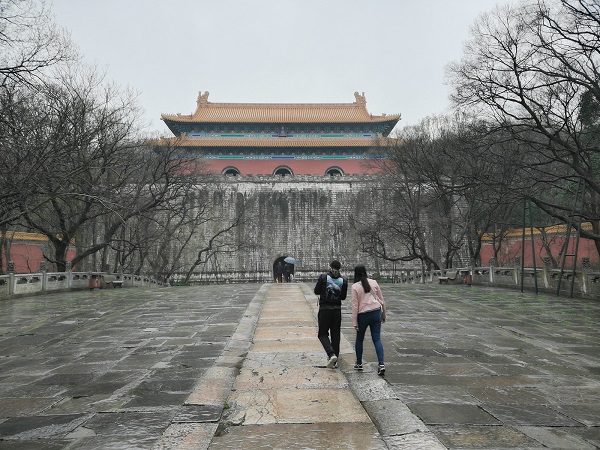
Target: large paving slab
[{"x": 333, "y": 436}]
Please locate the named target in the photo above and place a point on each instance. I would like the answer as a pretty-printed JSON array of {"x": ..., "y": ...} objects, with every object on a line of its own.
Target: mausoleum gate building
[
  {"x": 303, "y": 167},
  {"x": 281, "y": 139}
]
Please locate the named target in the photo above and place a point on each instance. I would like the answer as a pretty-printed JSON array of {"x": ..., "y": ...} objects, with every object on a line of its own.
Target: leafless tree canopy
[
  {"x": 526, "y": 129},
  {"x": 29, "y": 41},
  {"x": 76, "y": 167},
  {"x": 75, "y": 164},
  {"x": 444, "y": 192},
  {"x": 531, "y": 71}
]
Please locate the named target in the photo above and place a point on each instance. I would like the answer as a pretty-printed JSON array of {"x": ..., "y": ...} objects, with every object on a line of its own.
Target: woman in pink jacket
[{"x": 368, "y": 310}]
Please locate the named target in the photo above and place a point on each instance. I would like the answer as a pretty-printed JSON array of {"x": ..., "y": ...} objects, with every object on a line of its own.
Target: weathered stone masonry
[{"x": 302, "y": 216}]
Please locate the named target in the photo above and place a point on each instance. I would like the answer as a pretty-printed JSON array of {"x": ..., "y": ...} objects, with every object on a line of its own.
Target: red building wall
[
  {"x": 512, "y": 249},
  {"x": 27, "y": 257},
  {"x": 298, "y": 167}
]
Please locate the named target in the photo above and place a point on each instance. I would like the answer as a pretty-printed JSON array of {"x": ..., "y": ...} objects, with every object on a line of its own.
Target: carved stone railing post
[
  {"x": 546, "y": 271},
  {"x": 44, "y": 271},
  {"x": 493, "y": 264},
  {"x": 69, "y": 274},
  {"x": 10, "y": 269},
  {"x": 584, "y": 280}
]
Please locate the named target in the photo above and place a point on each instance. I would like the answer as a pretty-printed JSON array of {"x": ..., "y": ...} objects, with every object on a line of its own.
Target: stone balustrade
[
  {"x": 586, "y": 283},
  {"x": 405, "y": 275},
  {"x": 14, "y": 284}
]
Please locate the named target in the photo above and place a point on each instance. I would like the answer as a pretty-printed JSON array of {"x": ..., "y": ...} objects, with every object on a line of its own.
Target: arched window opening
[
  {"x": 334, "y": 172},
  {"x": 283, "y": 171},
  {"x": 231, "y": 171}
]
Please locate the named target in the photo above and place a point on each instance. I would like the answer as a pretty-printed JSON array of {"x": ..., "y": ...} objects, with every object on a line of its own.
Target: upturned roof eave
[
  {"x": 276, "y": 142},
  {"x": 392, "y": 119}
]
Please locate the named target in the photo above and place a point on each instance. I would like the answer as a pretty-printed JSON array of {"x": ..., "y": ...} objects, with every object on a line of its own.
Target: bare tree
[
  {"x": 29, "y": 41},
  {"x": 222, "y": 232},
  {"x": 164, "y": 238},
  {"x": 445, "y": 188},
  {"x": 487, "y": 170},
  {"x": 75, "y": 166},
  {"x": 532, "y": 70},
  {"x": 96, "y": 171},
  {"x": 426, "y": 214},
  {"x": 23, "y": 152},
  {"x": 397, "y": 232}
]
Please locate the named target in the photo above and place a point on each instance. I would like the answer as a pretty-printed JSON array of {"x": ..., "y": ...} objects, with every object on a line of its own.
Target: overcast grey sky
[{"x": 275, "y": 51}]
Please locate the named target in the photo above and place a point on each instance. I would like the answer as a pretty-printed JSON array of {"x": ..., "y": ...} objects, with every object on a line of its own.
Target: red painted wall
[
  {"x": 512, "y": 248},
  {"x": 298, "y": 167},
  {"x": 27, "y": 257}
]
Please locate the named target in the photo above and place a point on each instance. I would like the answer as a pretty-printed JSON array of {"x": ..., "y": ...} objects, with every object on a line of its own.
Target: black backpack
[{"x": 333, "y": 291}]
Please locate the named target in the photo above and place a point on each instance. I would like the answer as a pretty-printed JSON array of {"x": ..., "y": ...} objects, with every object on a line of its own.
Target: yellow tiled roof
[
  {"x": 24, "y": 236},
  {"x": 272, "y": 142},
  {"x": 208, "y": 112},
  {"x": 554, "y": 229}
]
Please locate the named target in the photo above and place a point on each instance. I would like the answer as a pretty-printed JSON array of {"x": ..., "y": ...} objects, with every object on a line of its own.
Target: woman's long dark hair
[{"x": 360, "y": 274}]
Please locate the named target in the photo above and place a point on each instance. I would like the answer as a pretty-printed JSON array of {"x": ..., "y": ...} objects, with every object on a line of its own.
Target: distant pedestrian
[
  {"x": 368, "y": 310},
  {"x": 331, "y": 288},
  {"x": 279, "y": 272},
  {"x": 288, "y": 270}
]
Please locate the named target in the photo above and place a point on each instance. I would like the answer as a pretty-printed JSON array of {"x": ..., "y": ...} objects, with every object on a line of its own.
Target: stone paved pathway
[
  {"x": 467, "y": 368},
  {"x": 284, "y": 396}
]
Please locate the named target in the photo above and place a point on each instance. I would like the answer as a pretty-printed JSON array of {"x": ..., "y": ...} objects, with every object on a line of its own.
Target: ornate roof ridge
[
  {"x": 280, "y": 112},
  {"x": 282, "y": 105},
  {"x": 202, "y": 101}
]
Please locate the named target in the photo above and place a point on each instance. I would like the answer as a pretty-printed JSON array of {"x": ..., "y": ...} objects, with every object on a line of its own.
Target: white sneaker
[{"x": 331, "y": 362}]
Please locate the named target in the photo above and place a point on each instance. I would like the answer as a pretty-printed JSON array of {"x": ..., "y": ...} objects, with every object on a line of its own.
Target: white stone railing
[
  {"x": 309, "y": 276},
  {"x": 32, "y": 283},
  {"x": 585, "y": 284}
]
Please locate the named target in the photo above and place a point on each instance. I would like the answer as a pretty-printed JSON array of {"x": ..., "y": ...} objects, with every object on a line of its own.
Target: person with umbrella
[{"x": 288, "y": 269}]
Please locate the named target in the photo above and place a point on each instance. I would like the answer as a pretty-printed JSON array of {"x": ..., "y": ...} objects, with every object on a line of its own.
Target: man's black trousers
[{"x": 330, "y": 322}]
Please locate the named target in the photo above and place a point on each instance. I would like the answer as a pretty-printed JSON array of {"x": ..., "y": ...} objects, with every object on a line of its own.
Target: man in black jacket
[
  {"x": 332, "y": 289},
  {"x": 288, "y": 269},
  {"x": 279, "y": 272}
]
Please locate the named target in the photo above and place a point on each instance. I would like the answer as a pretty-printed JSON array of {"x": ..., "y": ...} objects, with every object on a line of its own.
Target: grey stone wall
[{"x": 300, "y": 216}]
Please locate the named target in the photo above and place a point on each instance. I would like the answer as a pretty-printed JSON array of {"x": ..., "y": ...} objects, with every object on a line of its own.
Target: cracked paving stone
[
  {"x": 39, "y": 427},
  {"x": 198, "y": 413},
  {"x": 484, "y": 437},
  {"x": 440, "y": 414}
]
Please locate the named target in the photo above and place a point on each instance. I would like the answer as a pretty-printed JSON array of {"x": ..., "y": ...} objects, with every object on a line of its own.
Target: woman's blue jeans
[{"x": 371, "y": 319}]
